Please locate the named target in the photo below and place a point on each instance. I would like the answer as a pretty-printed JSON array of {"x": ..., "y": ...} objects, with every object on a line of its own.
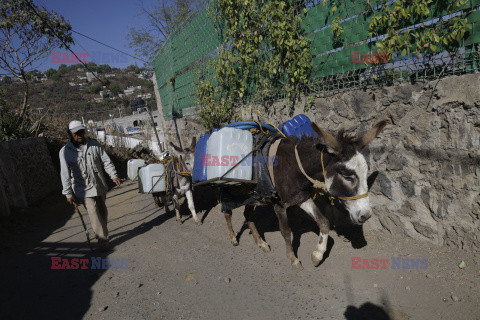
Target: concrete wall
[
  {"x": 4, "y": 206},
  {"x": 27, "y": 174},
  {"x": 428, "y": 159},
  {"x": 129, "y": 142},
  {"x": 128, "y": 121}
]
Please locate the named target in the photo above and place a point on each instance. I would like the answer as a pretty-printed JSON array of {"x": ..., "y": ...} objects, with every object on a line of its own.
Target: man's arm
[{"x": 66, "y": 178}]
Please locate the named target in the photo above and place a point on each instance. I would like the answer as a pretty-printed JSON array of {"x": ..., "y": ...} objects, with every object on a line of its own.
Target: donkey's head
[
  {"x": 186, "y": 154},
  {"x": 346, "y": 169}
]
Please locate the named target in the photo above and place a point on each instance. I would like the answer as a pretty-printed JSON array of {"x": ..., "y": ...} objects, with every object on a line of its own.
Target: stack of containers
[
  {"x": 199, "y": 172},
  {"x": 225, "y": 148},
  {"x": 132, "y": 168},
  {"x": 151, "y": 178},
  {"x": 298, "y": 126},
  {"x": 234, "y": 140}
]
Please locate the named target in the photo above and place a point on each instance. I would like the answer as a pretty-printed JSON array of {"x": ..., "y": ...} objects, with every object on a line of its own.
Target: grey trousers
[{"x": 98, "y": 214}]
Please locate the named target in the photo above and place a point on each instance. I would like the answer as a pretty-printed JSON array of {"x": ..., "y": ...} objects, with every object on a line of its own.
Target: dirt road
[{"x": 193, "y": 272}]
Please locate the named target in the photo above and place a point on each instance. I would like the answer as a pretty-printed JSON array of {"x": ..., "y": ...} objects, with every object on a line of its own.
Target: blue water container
[
  {"x": 200, "y": 172},
  {"x": 298, "y": 126}
]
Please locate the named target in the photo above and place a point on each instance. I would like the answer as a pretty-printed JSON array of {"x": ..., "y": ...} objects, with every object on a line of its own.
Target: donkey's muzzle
[{"x": 364, "y": 217}]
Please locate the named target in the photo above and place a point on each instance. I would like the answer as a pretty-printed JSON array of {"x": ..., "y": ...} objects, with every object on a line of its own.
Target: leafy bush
[{"x": 12, "y": 126}]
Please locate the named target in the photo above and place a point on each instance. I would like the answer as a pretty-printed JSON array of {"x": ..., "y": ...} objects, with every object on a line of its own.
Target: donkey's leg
[
  {"x": 177, "y": 208},
  {"x": 311, "y": 208},
  {"x": 156, "y": 199},
  {"x": 287, "y": 234},
  {"x": 231, "y": 233},
  {"x": 248, "y": 213},
  {"x": 165, "y": 205},
  {"x": 191, "y": 206}
]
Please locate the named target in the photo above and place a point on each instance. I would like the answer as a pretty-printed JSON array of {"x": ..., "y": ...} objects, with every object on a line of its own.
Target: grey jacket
[{"x": 81, "y": 169}]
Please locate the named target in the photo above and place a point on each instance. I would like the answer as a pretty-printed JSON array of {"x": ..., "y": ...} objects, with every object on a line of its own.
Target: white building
[
  {"x": 144, "y": 96},
  {"x": 91, "y": 76}
]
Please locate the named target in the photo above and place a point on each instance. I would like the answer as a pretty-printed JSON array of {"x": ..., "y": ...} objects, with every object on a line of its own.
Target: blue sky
[{"x": 107, "y": 21}]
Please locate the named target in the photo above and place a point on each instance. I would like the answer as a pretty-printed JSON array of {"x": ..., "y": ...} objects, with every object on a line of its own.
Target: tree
[
  {"x": 115, "y": 88},
  {"x": 3, "y": 101},
  {"x": 6, "y": 80},
  {"x": 105, "y": 81},
  {"x": 96, "y": 88},
  {"x": 107, "y": 103},
  {"x": 92, "y": 67},
  {"x": 104, "y": 68},
  {"x": 52, "y": 74},
  {"x": 162, "y": 18},
  {"x": 132, "y": 68},
  {"x": 28, "y": 33}
]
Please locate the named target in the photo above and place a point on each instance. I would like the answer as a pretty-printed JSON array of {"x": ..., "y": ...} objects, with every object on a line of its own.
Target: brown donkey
[{"x": 332, "y": 164}]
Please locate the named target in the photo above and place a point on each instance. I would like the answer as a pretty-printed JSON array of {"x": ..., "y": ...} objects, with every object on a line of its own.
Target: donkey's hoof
[
  {"x": 199, "y": 222},
  {"x": 297, "y": 265},
  {"x": 317, "y": 257},
  {"x": 234, "y": 242},
  {"x": 265, "y": 247},
  {"x": 179, "y": 221}
]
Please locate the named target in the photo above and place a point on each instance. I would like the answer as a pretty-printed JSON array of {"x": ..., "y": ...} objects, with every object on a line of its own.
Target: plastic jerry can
[
  {"x": 298, "y": 126},
  {"x": 199, "y": 172},
  {"x": 226, "y": 148},
  {"x": 132, "y": 168},
  {"x": 152, "y": 179}
]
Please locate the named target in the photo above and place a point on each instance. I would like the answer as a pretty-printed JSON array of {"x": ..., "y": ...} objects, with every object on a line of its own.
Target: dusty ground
[{"x": 193, "y": 272}]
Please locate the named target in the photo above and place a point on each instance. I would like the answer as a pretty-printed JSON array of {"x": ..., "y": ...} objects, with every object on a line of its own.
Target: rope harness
[
  {"x": 260, "y": 129},
  {"x": 320, "y": 186},
  {"x": 179, "y": 168}
]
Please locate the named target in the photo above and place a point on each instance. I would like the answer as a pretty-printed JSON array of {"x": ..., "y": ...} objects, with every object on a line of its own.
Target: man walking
[{"x": 81, "y": 162}]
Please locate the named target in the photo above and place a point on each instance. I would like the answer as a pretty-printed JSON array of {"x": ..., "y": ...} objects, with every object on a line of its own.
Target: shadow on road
[
  {"x": 30, "y": 289},
  {"x": 118, "y": 238},
  {"x": 367, "y": 311},
  {"x": 205, "y": 199},
  {"x": 300, "y": 223}
]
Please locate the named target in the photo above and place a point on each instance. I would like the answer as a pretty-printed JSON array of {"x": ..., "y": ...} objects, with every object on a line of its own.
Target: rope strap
[
  {"x": 319, "y": 185},
  {"x": 354, "y": 197}
]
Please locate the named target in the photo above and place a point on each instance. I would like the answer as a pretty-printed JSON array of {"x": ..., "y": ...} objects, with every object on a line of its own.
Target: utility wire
[
  {"x": 106, "y": 45},
  {"x": 67, "y": 46}
]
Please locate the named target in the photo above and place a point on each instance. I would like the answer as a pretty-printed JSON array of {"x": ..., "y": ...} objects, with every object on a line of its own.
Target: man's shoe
[{"x": 104, "y": 245}]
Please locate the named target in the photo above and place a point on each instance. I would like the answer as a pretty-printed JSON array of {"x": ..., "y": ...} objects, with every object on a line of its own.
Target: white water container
[
  {"x": 152, "y": 178},
  {"x": 231, "y": 144},
  {"x": 132, "y": 168}
]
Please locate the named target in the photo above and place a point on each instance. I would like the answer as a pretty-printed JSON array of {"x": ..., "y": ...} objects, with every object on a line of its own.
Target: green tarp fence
[{"x": 336, "y": 66}]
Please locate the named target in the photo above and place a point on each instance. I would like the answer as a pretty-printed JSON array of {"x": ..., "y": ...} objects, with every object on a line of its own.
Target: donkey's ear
[
  {"x": 176, "y": 148},
  {"x": 192, "y": 146},
  {"x": 327, "y": 139},
  {"x": 371, "y": 134}
]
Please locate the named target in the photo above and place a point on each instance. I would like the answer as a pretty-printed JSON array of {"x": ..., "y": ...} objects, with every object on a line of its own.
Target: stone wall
[
  {"x": 428, "y": 158},
  {"x": 27, "y": 174}
]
